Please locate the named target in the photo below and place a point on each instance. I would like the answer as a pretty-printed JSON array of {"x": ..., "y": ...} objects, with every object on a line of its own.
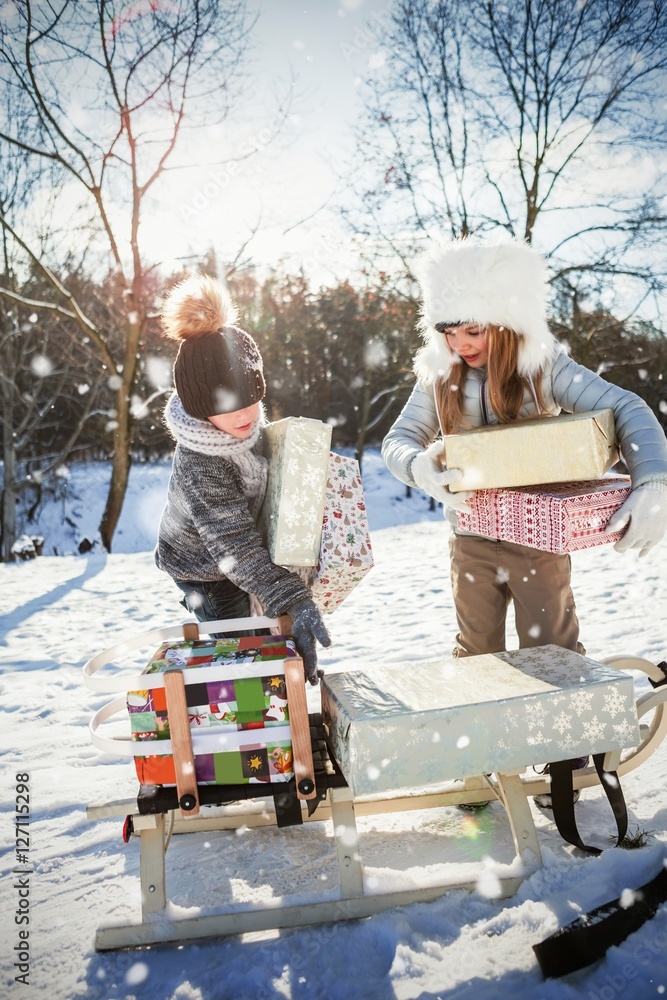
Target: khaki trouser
[{"x": 487, "y": 574}]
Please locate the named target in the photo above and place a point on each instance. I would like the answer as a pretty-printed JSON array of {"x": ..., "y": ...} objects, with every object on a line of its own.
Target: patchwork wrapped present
[
  {"x": 560, "y": 517},
  {"x": 425, "y": 723},
  {"x": 568, "y": 448},
  {"x": 237, "y": 709},
  {"x": 345, "y": 552},
  {"x": 290, "y": 520}
]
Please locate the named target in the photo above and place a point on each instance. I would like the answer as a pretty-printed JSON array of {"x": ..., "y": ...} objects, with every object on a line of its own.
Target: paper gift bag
[
  {"x": 290, "y": 520},
  {"x": 345, "y": 552},
  {"x": 568, "y": 448},
  {"x": 555, "y": 518}
]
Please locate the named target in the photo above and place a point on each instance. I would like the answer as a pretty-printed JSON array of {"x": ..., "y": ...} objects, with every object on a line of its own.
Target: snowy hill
[{"x": 58, "y": 611}]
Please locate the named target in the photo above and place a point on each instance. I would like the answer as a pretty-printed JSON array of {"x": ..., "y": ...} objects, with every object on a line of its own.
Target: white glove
[
  {"x": 646, "y": 510},
  {"x": 429, "y": 475}
]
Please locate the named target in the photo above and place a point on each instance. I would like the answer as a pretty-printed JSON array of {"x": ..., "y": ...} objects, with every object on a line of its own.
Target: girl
[
  {"x": 489, "y": 358},
  {"x": 208, "y": 541}
]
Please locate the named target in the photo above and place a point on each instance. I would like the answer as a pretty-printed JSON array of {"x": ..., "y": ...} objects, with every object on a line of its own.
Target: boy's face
[{"x": 239, "y": 423}]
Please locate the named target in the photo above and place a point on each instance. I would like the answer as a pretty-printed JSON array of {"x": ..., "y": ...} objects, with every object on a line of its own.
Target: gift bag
[{"x": 345, "y": 551}]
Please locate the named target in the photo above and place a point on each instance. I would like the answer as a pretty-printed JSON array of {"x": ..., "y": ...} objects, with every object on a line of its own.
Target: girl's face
[
  {"x": 239, "y": 423},
  {"x": 469, "y": 342}
]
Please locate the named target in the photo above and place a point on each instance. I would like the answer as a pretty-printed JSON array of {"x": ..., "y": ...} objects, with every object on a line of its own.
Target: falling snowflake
[
  {"x": 502, "y": 575},
  {"x": 41, "y": 366},
  {"x": 158, "y": 372}
]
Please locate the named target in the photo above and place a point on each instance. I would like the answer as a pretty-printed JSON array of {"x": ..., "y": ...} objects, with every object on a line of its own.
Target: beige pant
[{"x": 487, "y": 574}]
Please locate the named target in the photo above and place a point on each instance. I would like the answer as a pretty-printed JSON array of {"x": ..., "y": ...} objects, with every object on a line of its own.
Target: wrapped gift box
[
  {"x": 291, "y": 517},
  {"x": 237, "y": 708},
  {"x": 563, "y": 449},
  {"x": 561, "y": 517},
  {"x": 425, "y": 723},
  {"x": 345, "y": 551}
]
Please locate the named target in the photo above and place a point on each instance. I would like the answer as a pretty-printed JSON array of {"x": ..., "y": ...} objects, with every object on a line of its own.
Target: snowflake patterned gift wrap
[
  {"x": 560, "y": 517},
  {"x": 568, "y": 448},
  {"x": 345, "y": 552},
  {"x": 438, "y": 721},
  {"x": 237, "y": 709},
  {"x": 291, "y": 517}
]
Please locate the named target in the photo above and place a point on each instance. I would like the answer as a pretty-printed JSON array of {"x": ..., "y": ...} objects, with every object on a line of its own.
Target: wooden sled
[{"x": 157, "y": 814}]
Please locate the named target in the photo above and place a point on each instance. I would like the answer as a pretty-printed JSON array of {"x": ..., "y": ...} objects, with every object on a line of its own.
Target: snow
[{"x": 58, "y": 611}]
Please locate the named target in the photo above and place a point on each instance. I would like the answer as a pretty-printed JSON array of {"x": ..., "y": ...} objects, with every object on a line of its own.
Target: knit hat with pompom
[{"x": 218, "y": 368}]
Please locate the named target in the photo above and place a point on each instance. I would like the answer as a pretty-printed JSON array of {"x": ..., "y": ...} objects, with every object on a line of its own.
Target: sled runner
[{"x": 275, "y": 764}]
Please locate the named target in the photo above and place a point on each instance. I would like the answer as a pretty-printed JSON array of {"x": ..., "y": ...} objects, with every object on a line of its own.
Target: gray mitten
[{"x": 307, "y": 628}]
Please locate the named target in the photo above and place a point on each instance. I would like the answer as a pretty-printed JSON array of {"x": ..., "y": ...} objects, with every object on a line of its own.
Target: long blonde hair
[{"x": 506, "y": 386}]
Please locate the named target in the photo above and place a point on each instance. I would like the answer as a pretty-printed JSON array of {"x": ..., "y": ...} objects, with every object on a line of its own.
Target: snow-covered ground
[{"x": 58, "y": 611}]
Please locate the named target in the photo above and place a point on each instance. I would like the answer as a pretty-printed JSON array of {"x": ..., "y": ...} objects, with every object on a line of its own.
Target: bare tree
[
  {"x": 530, "y": 116},
  {"x": 37, "y": 361},
  {"x": 108, "y": 91}
]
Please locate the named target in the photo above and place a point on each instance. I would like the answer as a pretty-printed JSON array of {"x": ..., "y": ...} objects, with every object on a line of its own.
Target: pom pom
[{"x": 197, "y": 306}]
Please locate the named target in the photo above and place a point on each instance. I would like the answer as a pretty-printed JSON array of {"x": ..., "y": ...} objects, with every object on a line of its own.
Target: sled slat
[
  {"x": 190, "y": 631},
  {"x": 181, "y": 742},
  {"x": 304, "y": 769}
]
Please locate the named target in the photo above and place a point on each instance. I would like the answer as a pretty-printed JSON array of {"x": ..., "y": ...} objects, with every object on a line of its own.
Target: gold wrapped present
[{"x": 569, "y": 448}]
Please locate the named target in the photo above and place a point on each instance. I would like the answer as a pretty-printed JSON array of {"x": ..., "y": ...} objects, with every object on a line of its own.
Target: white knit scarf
[{"x": 201, "y": 436}]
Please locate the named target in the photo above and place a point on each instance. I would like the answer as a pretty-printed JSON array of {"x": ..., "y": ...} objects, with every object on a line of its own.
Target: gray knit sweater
[{"x": 207, "y": 531}]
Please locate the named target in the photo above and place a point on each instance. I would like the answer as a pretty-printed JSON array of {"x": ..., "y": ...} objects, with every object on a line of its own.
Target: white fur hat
[{"x": 471, "y": 280}]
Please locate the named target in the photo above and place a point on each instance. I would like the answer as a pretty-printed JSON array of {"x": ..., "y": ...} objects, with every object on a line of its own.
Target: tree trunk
[
  {"x": 9, "y": 491},
  {"x": 120, "y": 471},
  {"x": 122, "y": 440},
  {"x": 363, "y": 421},
  {"x": 8, "y": 398}
]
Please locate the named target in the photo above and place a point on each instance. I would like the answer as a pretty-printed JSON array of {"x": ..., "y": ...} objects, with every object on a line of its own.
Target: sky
[{"x": 291, "y": 187}]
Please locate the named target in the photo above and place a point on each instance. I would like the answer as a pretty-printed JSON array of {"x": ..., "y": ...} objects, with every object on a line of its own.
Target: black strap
[
  {"x": 663, "y": 668},
  {"x": 586, "y": 939},
  {"x": 563, "y": 802}
]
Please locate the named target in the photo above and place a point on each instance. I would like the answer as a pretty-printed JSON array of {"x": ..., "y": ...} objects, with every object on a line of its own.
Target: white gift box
[
  {"x": 290, "y": 520},
  {"x": 438, "y": 721}
]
